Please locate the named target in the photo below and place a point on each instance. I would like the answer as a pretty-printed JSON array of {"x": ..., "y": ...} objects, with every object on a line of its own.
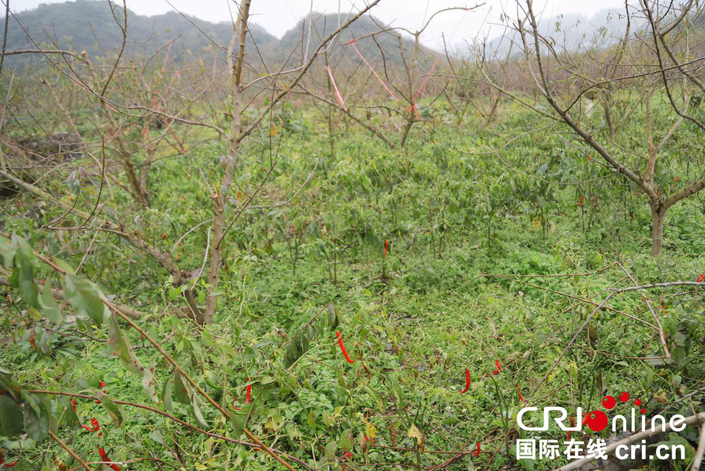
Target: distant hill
[
  {"x": 572, "y": 32},
  {"x": 320, "y": 26},
  {"x": 89, "y": 25}
]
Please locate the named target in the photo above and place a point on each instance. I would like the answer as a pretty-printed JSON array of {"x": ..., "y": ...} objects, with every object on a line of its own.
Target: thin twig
[
  {"x": 651, "y": 309},
  {"x": 70, "y": 451}
]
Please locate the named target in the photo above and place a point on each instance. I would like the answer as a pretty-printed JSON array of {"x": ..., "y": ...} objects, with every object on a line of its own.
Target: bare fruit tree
[
  {"x": 658, "y": 60},
  {"x": 142, "y": 112}
]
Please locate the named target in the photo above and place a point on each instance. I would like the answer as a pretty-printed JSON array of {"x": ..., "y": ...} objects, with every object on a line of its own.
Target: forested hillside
[{"x": 89, "y": 25}]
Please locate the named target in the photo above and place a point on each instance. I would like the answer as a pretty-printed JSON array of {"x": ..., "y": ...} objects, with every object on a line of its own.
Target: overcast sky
[{"x": 278, "y": 16}]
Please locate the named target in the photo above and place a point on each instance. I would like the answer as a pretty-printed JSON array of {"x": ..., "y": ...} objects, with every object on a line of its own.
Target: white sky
[{"x": 278, "y": 16}]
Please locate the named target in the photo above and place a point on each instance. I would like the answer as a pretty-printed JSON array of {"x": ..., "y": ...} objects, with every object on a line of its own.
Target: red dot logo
[
  {"x": 609, "y": 402},
  {"x": 596, "y": 420},
  {"x": 624, "y": 397}
]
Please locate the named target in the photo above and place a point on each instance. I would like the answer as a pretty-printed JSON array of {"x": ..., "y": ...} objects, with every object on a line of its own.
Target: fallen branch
[
  {"x": 171, "y": 417},
  {"x": 110, "y": 305},
  {"x": 663, "y": 285},
  {"x": 570, "y": 344},
  {"x": 653, "y": 313},
  {"x": 692, "y": 420},
  {"x": 698, "y": 460}
]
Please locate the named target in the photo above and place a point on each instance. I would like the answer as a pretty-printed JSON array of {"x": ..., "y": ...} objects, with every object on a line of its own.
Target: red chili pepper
[
  {"x": 342, "y": 347},
  {"x": 581, "y": 201},
  {"x": 572, "y": 424},
  {"x": 701, "y": 278},
  {"x": 232, "y": 404},
  {"x": 104, "y": 457},
  {"x": 677, "y": 178},
  {"x": 499, "y": 367},
  {"x": 467, "y": 381},
  {"x": 6, "y": 465},
  {"x": 87, "y": 428},
  {"x": 386, "y": 248},
  {"x": 346, "y": 456},
  {"x": 248, "y": 397},
  {"x": 73, "y": 404},
  {"x": 519, "y": 391},
  {"x": 477, "y": 452}
]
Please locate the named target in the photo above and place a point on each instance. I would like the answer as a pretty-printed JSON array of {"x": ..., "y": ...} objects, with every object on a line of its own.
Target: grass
[{"x": 416, "y": 318}]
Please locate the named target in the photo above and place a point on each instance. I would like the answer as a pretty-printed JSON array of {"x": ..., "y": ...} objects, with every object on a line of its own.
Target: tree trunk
[
  {"x": 407, "y": 128},
  {"x": 657, "y": 214},
  {"x": 220, "y": 199}
]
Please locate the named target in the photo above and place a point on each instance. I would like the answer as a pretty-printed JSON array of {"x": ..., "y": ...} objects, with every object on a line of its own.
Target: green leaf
[
  {"x": 113, "y": 410},
  {"x": 298, "y": 346},
  {"x": 10, "y": 417},
  {"x": 8, "y": 386},
  {"x": 197, "y": 410},
  {"x": 84, "y": 297},
  {"x": 166, "y": 395},
  {"x": 45, "y": 342},
  {"x": 36, "y": 418},
  {"x": 46, "y": 401},
  {"x": 182, "y": 392},
  {"x": 240, "y": 417},
  {"x": 26, "y": 262},
  {"x": 48, "y": 305},
  {"x": 675, "y": 440},
  {"x": 333, "y": 317},
  {"x": 156, "y": 435},
  {"x": 120, "y": 346},
  {"x": 148, "y": 383},
  {"x": 64, "y": 266},
  {"x": 8, "y": 250},
  {"x": 69, "y": 417},
  {"x": 14, "y": 278}
]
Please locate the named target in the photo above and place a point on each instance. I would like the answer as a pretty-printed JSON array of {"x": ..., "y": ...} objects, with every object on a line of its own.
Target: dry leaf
[
  {"x": 370, "y": 431},
  {"x": 414, "y": 432}
]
